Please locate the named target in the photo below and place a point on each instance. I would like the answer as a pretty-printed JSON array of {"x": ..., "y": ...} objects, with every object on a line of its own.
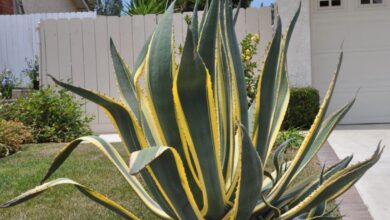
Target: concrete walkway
[{"x": 361, "y": 141}]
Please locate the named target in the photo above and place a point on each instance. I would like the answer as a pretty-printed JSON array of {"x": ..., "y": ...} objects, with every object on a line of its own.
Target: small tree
[
  {"x": 109, "y": 7},
  {"x": 143, "y": 7}
]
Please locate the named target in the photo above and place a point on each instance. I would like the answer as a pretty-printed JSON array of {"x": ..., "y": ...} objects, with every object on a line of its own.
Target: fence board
[
  {"x": 102, "y": 59},
  {"x": 3, "y": 45},
  {"x": 64, "y": 56},
  {"x": 150, "y": 24},
  {"x": 77, "y": 52},
  {"x": 138, "y": 35},
  {"x": 126, "y": 37},
  {"x": 51, "y": 36},
  {"x": 89, "y": 54},
  {"x": 42, "y": 56},
  {"x": 114, "y": 33},
  {"x": 90, "y": 77}
]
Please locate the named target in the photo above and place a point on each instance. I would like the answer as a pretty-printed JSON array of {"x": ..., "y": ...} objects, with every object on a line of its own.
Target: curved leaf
[
  {"x": 169, "y": 173},
  {"x": 196, "y": 115},
  {"x": 251, "y": 178},
  {"x": 123, "y": 119},
  {"x": 92, "y": 194},
  {"x": 112, "y": 154},
  {"x": 334, "y": 186}
]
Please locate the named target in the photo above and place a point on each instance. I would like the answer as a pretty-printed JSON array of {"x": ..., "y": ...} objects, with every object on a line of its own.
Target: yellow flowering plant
[{"x": 248, "y": 50}]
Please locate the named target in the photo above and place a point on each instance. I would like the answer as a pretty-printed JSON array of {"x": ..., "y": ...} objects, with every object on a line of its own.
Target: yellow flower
[
  {"x": 247, "y": 58},
  {"x": 247, "y": 52},
  {"x": 255, "y": 38}
]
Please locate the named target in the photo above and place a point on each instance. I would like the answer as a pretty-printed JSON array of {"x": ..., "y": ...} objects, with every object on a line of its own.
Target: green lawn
[{"x": 86, "y": 165}]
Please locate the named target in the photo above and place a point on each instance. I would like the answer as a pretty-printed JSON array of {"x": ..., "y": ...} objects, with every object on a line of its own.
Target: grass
[{"x": 86, "y": 165}]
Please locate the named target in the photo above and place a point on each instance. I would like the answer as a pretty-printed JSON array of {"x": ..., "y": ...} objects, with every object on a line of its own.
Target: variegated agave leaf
[{"x": 188, "y": 132}]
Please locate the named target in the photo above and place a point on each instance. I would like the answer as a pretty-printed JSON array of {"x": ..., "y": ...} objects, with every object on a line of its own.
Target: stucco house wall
[
  {"x": 52, "y": 6},
  {"x": 299, "y": 54}
]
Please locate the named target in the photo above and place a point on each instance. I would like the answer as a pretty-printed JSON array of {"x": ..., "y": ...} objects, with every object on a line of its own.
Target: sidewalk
[{"x": 361, "y": 141}]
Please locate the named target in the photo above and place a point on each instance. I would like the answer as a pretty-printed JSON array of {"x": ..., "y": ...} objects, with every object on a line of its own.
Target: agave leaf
[
  {"x": 197, "y": 118},
  {"x": 308, "y": 149},
  {"x": 158, "y": 79},
  {"x": 127, "y": 87},
  {"x": 125, "y": 81},
  {"x": 306, "y": 187},
  {"x": 195, "y": 23},
  {"x": 112, "y": 154},
  {"x": 276, "y": 159},
  {"x": 203, "y": 21},
  {"x": 169, "y": 173},
  {"x": 232, "y": 94},
  {"x": 273, "y": 92},
  {"x": 141, "y": 57},
  {"x": 326, "y": 128},
  {"x": 90, "y": 193},
  {"x": 235, "y": 67},
  {"x": 224, "y": 106},
  {"x": 251, "y": 178},
  {"x": 123, "y": 119},
  {"x": 207, "y": 37},
  {"x": 293, "y": 195},
  {"x": 237, "y": 12},
  {"x": 265, "y": 95},
  {"x": 326, "y": 218},
  {"x": 328, "y": 214},
  {"x": 158, "y": 70},
  {"x": 159, "y": 73},
  {"x": 320, "y": 208},
  {"x": 334, "y": 186}
]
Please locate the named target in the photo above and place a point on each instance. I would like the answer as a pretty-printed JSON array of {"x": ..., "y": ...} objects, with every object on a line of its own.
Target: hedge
[{"x": 303, "y": 108}]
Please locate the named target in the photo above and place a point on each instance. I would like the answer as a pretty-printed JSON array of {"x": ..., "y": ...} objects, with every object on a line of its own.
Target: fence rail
[
  {"x": 78, "y": 49},
  {"x": 19, "y": 38}
]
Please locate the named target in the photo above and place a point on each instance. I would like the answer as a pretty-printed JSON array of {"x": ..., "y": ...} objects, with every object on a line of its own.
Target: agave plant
[{"x": 189, "y": 134}]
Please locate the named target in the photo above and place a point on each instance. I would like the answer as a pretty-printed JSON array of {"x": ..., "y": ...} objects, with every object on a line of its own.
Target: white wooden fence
[
  {"x": 19, "y": 38},
  {"x": 78, "y": 49}
]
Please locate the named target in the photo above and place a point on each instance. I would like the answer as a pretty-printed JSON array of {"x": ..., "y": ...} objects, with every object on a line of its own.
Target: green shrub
[
  {"x": 302, "y": 109},
  {"x": 12, "y": 135},
  {"x": 293, "y": 135},
  {"x": 53, "y": 115}
]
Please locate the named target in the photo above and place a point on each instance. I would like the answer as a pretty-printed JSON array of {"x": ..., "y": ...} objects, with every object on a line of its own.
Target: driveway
[{"x": 361, "y": 141}]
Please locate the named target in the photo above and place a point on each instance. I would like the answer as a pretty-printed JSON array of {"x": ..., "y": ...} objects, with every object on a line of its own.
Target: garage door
[{"x": 365, "y": 32}]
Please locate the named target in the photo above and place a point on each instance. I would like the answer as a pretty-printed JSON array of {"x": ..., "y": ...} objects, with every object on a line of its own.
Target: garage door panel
[
  {"x": 365, "y": 32},
  {"x": 324, "y": 39},
  {"x": 366, "y": 109},
  {"x": 368, "y": 71}
]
